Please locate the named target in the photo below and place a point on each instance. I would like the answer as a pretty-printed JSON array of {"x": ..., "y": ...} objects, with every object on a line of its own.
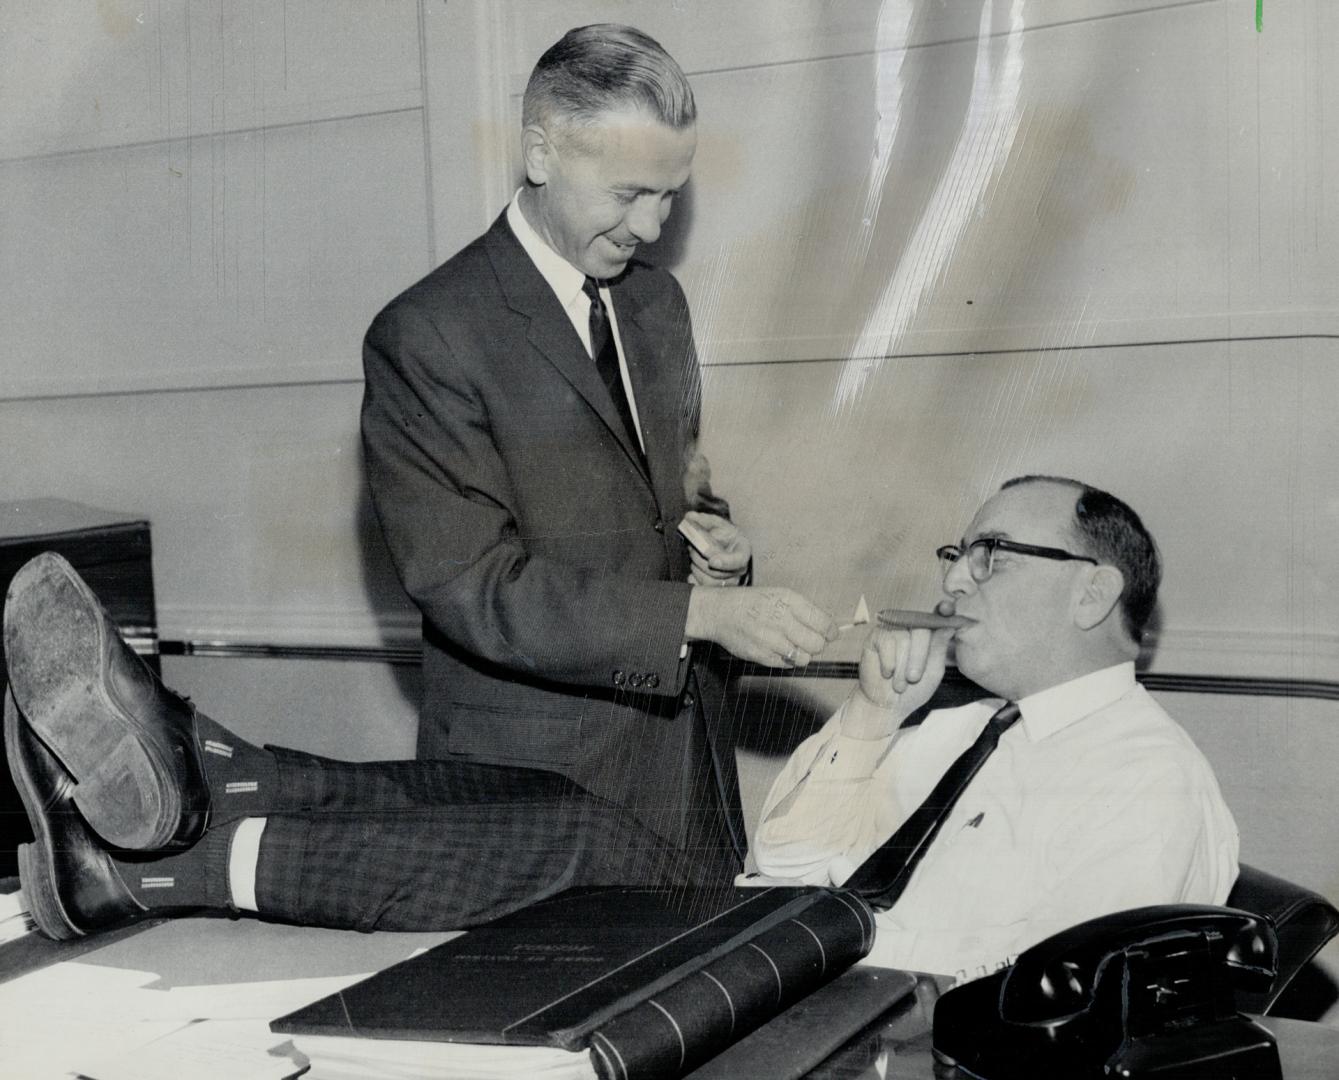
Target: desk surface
[
  {"x": 200, "y": 953},
  {"x": 36, "y": 518},
  {"x": 898, "y": 1046}
]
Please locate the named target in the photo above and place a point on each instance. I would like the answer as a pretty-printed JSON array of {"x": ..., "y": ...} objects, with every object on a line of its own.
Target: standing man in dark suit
[{"x": 530, "y": 425}]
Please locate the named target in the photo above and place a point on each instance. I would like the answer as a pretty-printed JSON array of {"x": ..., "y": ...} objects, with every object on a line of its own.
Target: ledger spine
[{"x": 689, "y": 1022}]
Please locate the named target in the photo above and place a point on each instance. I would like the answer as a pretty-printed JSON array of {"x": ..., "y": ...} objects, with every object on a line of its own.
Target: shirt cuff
[
  {"x": 859, "y": 712},
  {"x": 964, "y": 956}
]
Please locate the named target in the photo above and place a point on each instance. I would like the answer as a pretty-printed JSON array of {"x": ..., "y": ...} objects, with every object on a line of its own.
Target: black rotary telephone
[{"x": 1142, "y": 993}]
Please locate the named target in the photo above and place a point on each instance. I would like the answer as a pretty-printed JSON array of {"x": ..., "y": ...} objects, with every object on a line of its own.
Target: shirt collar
[
  {"x": 564, "y": 279},
  {"x": 1050, "y": 710}
]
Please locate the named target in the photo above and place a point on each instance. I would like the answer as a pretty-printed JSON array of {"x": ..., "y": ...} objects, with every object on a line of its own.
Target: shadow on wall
[
  {"x": 773, "y": 714},
  {"x": 385, "y": 596}
]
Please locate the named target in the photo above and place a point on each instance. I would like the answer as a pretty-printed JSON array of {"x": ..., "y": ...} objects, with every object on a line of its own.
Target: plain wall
[{"x": 927, "y": 245}]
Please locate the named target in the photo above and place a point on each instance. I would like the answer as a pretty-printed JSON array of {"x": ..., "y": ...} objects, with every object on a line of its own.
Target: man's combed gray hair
[{"x": 593, "y": 69}]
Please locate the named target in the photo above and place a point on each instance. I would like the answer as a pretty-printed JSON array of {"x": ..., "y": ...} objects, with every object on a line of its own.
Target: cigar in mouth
[{"x": 905, "y": 619}]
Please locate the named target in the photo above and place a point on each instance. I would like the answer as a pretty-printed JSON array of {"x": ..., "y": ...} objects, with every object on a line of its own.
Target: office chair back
[{"x": 1304, "y": 921}]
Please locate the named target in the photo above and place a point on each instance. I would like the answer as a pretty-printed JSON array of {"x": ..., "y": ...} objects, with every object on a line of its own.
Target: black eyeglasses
[{"x": 981, "y": 555}]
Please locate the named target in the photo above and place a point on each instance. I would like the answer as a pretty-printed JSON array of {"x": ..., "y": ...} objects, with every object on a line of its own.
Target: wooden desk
[
  {"x": 898, "y": 1047},
  {"x": 195, "y": 952}
]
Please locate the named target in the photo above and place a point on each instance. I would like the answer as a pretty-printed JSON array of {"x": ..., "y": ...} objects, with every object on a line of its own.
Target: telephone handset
[{"x": 1144, "y": 992}]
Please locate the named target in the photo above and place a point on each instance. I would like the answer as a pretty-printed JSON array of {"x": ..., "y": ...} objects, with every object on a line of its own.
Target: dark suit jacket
[{"x": 541, "y": 551}]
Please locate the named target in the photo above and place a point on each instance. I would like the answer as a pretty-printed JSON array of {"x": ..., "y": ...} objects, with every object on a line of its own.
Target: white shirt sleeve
[{"x": 825, "y": 804}]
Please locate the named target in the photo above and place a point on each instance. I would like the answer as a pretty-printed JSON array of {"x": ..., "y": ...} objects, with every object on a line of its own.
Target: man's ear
[
  {"x": 1099, "y": 596},
  {"x": 536, "y": 153}
]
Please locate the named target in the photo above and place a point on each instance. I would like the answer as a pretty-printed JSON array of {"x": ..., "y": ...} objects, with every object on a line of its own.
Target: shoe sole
[
  {"x": 125, "y": 790},
  {"x": 36, "y": 865}
]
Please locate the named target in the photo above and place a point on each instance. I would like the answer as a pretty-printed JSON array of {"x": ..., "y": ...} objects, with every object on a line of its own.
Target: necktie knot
[{"x": 1004, "y": 718}]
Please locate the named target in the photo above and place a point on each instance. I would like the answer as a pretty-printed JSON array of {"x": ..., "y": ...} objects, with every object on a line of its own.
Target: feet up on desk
[
  {"x": 127, "y": 743},
  {"x": 71, "y": 884}
]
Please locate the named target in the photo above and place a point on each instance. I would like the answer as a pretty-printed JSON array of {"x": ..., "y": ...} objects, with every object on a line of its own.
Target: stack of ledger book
[{"x": 619, "y": 983}]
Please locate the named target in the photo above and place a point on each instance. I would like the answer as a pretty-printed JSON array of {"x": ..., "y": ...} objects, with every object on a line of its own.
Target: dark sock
[
  {"x": 243, "y": 778},
  {"x": 195, "y": 878}
]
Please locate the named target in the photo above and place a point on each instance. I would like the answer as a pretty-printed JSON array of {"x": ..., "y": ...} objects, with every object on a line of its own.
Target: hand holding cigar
[
  {"x": 906, "y": 619},
  {"x": 901, "y": 666}
]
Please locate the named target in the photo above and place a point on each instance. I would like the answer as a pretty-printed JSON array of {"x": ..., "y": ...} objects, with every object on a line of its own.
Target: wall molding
[
  {"x": 224, "y": 630},
  {"x": 233, "y": 114},
  {"x": 335, "y": 373},
  {"x": 1201, "y": 661},
  {"x": 242, "y": 377},
  {"x": 1266, "y": 654},
  {"x": 1187, "y": 331},
  {"x": 409, "y": 656}
]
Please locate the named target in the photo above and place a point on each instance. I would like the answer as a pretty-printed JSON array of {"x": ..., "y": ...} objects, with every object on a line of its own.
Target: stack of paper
[
  {"x": 336, "y": 1058},
  {"x": 128, "y": 1030},
  {"x": 14, "y": 918},
  {"x": 43, "y": 1008}
]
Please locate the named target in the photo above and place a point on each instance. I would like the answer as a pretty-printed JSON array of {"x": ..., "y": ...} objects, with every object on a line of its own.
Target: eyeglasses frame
[{"x": 951, "y": 553}]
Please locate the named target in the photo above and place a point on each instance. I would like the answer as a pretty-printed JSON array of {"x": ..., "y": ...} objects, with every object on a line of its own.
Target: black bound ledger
[{"x": 651, "y": 981}]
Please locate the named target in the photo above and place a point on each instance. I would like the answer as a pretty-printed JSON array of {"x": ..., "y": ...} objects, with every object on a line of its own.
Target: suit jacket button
[
  {"x": 658, "y": 525},
  {"x": 635, "y": 679},
  {"x": 651, "y": 681},
  {"x": 619, "y": 678}
]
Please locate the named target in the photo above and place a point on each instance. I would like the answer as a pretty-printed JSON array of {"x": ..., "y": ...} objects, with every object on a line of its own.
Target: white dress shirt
[
  {"x": 1094, "y": 801},
  {"x": 566, "y": 281}
]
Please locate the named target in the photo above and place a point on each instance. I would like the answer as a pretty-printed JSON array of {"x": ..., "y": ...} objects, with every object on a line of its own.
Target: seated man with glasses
[{"x": 989, "y": 827}]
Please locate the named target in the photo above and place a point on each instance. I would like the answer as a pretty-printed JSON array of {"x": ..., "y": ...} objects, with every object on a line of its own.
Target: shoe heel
[{"x": 44, "y": 904}]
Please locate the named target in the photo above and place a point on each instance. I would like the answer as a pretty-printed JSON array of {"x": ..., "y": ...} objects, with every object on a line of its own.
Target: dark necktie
[
  {"x": 881, "y": 878},
  {"x": 605, "y": 352}
]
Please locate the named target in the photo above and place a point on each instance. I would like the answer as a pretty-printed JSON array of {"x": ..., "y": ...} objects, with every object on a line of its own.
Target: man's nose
[
  {"x": 643, "y": 221},
  {"x": 958, "y": 580}
]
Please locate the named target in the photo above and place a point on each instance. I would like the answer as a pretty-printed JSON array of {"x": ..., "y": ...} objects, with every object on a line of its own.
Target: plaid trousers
[{"x": 436, "y": 845}]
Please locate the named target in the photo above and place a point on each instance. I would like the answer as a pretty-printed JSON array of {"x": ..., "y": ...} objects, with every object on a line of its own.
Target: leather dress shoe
[
  {"x": 128, "y": 742},
  {"x": 70, "y": 882}
]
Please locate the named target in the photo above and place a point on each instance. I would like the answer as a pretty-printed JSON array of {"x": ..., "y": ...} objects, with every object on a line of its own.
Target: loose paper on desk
[
  {"x": 209, "y": 1050},
  {"x": 42, "y": 1008},
  {"x": 14, "y": 918},
  {"x": 128, "y": 1027}
]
